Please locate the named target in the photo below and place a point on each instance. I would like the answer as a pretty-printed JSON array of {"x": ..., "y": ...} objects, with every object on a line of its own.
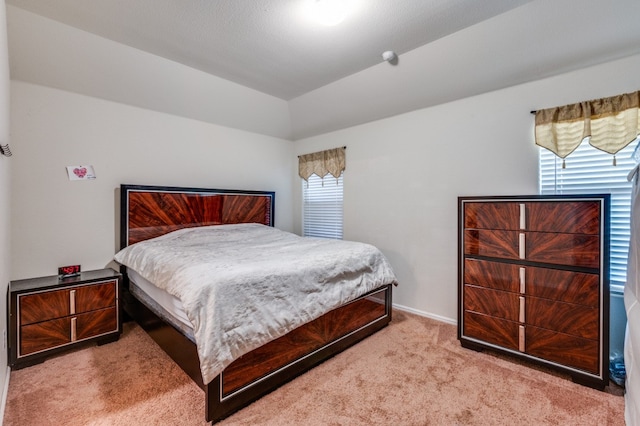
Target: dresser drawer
[
  {"x": 496, "y": 303},
  {"x": 567, "y": 286},
  {"x": 569, "y": 318},
  {"x": 558, "y": 217},
  {"x": 579, "y": 250},
  {"x": 496, "y": 275},
  {"x": 490, "y": 329},
  {"x": 492, "y": 215},
  {"x": 498, "y": 244},
  {"x": 565, "y": 217},
  {"x": 563, "y": 349}
]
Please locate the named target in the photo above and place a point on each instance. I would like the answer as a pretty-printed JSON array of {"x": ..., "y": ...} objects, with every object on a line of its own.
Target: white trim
[
  {"x": 424, "y": 314},
  {"x": 5, "y": 393}
]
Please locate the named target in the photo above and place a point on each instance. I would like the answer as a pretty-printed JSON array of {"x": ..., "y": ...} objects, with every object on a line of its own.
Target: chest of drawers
[
  {"x": 48, "y": 315},
  {"x": 533, "y": 280}
]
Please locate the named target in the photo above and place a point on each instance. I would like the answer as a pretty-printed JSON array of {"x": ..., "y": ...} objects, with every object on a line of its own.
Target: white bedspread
[{"x": 245, "y": 285}]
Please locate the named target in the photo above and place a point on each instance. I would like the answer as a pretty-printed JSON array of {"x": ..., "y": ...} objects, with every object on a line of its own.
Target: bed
[{"x": 283, "y": 347}]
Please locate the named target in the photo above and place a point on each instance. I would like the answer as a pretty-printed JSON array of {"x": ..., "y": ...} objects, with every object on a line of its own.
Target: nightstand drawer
[
  {"x": 43, "y": 306},
  {"x": 49, "y": 334},
  {"x": 96, "y": 323},
  {"x": 44, "y": 335}
]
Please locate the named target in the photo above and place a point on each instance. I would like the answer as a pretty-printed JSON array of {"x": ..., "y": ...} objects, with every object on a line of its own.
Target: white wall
[
  {"x": 52, "y": 54},
  {"x": 5, "y": 191},
  {"x": 55, "y": 221},
  {"x": 404, "y": 173}
]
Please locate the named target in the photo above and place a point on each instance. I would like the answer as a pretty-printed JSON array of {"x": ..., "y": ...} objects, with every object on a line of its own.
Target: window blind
[
  {"x": 590, "y": 171},
  {"x": 322, "y": 202}
]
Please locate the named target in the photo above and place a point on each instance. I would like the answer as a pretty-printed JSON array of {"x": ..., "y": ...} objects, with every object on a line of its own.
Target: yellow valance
[
  {"x": 331, "y": 161},
  {"x": 610, "y": 123}
]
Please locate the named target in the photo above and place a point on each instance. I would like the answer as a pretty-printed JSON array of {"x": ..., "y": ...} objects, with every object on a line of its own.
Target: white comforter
[{"x": 244, "y": 285}]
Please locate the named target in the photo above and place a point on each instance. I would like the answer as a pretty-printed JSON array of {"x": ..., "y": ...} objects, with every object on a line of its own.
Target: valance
[
  {"x": 331, "y": 161},
  {"x": 609, "y": 123}
]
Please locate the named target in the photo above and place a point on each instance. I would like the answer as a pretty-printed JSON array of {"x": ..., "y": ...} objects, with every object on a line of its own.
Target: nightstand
[{"x": 49, "y": 315}]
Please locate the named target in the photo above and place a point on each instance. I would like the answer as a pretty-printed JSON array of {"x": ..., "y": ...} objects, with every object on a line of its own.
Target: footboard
[{"x": 270, "y": 366}]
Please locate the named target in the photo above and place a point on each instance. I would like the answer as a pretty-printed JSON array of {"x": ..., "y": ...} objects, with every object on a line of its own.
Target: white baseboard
[
  {"x": 425, "y": 314},
  {"x": 5, "y": 392}
]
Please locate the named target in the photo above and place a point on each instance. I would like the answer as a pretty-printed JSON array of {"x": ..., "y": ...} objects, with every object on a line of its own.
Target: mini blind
[
  {"x": 322, "y": 206},
  {"x": 589, "y": 170}
]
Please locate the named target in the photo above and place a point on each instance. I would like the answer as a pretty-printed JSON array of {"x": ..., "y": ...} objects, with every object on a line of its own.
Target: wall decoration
[{"x": 81, "y": 172}]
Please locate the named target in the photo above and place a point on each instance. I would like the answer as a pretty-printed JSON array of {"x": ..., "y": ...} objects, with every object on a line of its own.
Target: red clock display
[{"x": 69, "y": 271}]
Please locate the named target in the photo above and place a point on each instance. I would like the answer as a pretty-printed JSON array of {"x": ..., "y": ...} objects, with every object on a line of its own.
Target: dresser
[
  {"x": 48, "y": 315},
  {"x": 534, "y": 280}
]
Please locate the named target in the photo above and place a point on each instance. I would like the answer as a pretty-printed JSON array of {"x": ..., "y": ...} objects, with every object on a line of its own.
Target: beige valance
[
  {"x": 610, "y": 123},
  {"x": 331, "y": 161}
]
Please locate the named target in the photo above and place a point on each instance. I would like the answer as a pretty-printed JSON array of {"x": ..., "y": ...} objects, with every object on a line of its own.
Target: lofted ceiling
[
  {"x": 331, "y": 77},
  {"x": 270, "y": 45}
]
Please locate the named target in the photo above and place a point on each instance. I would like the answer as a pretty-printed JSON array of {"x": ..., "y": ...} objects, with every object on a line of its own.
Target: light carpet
[{"x": 413, "y": 372}]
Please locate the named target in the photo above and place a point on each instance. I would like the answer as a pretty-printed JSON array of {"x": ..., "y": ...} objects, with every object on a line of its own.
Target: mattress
[{"x": 163, "y": 304}]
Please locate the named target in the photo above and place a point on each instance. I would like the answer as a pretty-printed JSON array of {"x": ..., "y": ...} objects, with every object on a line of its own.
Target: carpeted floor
[{"x": 413, "y": 372}]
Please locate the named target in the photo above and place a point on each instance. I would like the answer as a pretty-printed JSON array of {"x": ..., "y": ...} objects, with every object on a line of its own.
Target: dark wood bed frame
[{"x": 151, "y": 211}]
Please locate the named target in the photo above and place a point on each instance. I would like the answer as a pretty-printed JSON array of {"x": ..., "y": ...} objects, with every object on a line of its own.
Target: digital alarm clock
[{"x": 69, "y": 271}]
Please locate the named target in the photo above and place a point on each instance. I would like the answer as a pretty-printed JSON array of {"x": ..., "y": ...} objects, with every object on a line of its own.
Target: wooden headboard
[{"x": 150, "y": 211}]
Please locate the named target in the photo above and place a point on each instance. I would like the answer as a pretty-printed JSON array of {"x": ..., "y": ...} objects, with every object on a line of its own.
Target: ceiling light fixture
[{"x": 328, "y": 12}]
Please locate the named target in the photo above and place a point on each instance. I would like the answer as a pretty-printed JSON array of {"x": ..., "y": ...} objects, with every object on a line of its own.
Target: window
[
  {"x": 322, "y": 206},
  {"x": 589, "y": 170}
]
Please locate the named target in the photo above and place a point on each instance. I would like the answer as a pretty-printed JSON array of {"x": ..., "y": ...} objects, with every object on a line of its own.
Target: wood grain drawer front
[
  {"x": 497, "y": 275},
  {"x": 491, "y": 302},
  {"x": 492, "y": 215},
  {"x": 566, "y": 286},
  {"x": 499, "y": 244},
  {"x": 43, "y": 306},
  {"x": 564, "y": 217},
  {"x": 53, "y": 333},
  {"x": 95, "y": 296},
  {"x": 563, "y": 249},
  {"x": 44, "y": 335},
  {"x": 490, "y": 329},
  {"x": 96, "y": 323},
  {"x": 563, "y": 349},
  {"x": 569, "y": 318},
  {"x": 572, "y": 217}
]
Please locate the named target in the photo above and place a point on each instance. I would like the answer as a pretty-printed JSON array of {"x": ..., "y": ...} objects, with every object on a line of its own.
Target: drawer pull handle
[
  {"x": 523, "y": 278},
  {"x": 74, "y": 337},
  {"x": 521, "y": 345},
  {"x": 72, "y": 302},
  {"x": 523, "y": 217},
  {"x": 521, "y": 318},
  {"x": 521, "y": 246}
]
